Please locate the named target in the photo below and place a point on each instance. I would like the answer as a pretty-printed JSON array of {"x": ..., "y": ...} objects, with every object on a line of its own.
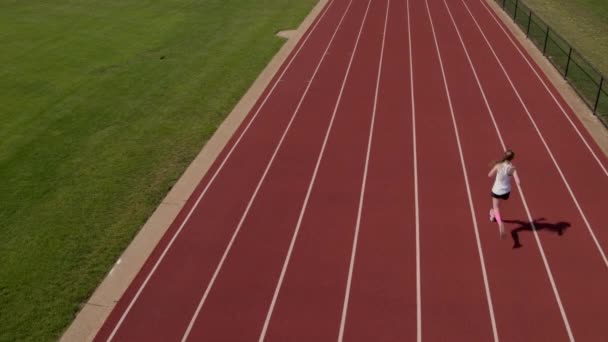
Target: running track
[{"x": 352, "y": 202}]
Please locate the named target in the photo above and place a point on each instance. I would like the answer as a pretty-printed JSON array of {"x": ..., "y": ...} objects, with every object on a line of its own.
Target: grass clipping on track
[{"x": 103, "y": 104}]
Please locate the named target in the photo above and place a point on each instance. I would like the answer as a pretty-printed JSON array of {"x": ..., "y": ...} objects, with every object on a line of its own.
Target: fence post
[
  {"x": 546, "y": 39},
  {"x": 568, "y": 63},
  {"x": 597, "y": 98},
  {"x": 515, "y": 12},
  {"x": 529, "y": 21}
]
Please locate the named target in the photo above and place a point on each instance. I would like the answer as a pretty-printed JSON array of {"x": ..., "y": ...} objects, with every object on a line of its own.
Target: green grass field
[{"x": 103, "y": 104}]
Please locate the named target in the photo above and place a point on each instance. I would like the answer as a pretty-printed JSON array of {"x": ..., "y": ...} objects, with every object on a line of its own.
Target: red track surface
[{"x": 352, "y": 202}]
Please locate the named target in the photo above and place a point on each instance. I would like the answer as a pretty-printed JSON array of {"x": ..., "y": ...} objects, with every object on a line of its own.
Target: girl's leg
[
  {"x": 494, "y": 209},
  {"x": 496, "y": 212}
]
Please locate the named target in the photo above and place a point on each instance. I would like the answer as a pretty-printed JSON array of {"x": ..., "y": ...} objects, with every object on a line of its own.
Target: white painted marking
[
  {"x": 363, "y": 184},
  {"x": 251, "y": 200},
  {"x": 542, "y": 138},
  {"x": 504, "y": 147},
  {"x": 114, "y": 267},
  {"x": 416, "y": 203},
  {"x": 597, "y": 159},
  {"x": 310, "y": 186},
  {"x": 178, "y": 231},
  {"x": 466, "y": 180}
]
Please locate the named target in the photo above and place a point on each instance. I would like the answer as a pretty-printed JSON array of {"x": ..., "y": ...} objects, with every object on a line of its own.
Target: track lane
[
  {"x": 383, "y": 295},
  {"x": 454, "y": 301},
  {"x": 353, "y": 253}
]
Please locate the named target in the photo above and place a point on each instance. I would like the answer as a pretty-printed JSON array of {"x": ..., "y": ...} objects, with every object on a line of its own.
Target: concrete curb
[{"x": 95, "y": 311}]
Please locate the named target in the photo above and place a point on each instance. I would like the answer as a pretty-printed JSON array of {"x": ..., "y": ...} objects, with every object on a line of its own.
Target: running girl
[{"x": 503, "y": 169}]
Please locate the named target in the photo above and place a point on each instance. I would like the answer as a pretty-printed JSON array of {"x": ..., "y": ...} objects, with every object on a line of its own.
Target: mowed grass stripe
[{"x": 103, "y": 104}]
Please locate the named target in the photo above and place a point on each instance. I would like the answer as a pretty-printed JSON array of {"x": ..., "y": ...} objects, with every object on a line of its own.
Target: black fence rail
[{"x": 589, "y": 83}]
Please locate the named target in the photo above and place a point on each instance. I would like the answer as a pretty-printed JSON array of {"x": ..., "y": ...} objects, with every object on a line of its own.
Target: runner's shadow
[{"x": 540, "y": 224}]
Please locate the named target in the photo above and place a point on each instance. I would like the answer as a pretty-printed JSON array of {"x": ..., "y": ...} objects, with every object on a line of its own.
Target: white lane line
[
  {"x": 363, "y": 184},
  {"x": 261, "y": 181},
  {"x": 311, "y": 185},
  {"x": 542, "y": 138},
  {"x": 597, "y": 159},
  {"x": 466, "y": 180},
  {"x": 200, "y": 197},
  {"x": 416, "y": 205},
  {"x": 523, "y": 198}
]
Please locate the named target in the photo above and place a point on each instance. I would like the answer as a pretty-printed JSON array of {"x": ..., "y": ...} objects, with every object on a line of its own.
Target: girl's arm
[
  {"x": 492, "y": 172},
  {"x": 516, "y": 177}
]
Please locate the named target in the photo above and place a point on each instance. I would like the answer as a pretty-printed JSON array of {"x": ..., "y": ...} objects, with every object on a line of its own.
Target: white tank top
[{"x": 502, "y": 183}]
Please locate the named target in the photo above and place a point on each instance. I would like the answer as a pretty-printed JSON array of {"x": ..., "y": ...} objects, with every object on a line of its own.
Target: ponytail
[{"x": 507, "y": 156}]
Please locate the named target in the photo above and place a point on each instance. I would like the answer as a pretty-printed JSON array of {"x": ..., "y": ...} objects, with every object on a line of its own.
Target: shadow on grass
[{"x": 539, "y": 224}]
